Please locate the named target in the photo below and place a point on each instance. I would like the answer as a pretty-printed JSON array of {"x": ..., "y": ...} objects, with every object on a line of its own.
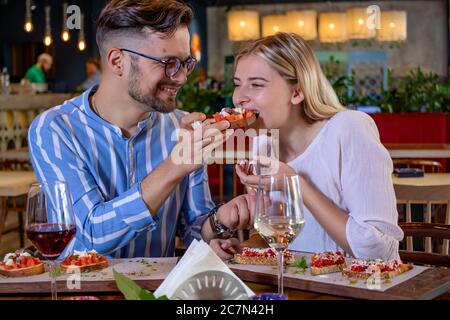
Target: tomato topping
[
  {"x": 327, "y": 259},
  {"x": 20, "y": 262},
  {"x": 90, "y": 258}
]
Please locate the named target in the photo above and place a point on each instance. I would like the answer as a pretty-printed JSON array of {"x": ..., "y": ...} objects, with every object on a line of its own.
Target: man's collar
[{"x": 87, "y": 107}]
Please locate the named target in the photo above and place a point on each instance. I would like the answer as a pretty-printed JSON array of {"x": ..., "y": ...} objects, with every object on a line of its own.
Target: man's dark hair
[{"x": 134, "y": 17}]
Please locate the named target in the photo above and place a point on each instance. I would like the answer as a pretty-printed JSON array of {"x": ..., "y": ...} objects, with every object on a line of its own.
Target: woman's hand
[
  {"x": 248, "y": 173},
  {"x": 225, "y": 248}
]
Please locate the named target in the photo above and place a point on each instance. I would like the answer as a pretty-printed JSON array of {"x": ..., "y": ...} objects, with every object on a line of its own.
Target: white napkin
[{"x": 198, "y": 257}]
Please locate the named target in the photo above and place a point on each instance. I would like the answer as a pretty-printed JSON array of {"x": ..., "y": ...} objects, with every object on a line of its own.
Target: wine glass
[
  {"x": 279, "y": 214},
  {"x": 50, "y": 223}
]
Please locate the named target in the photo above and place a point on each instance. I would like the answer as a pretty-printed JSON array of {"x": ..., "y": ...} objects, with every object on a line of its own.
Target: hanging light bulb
[
  {"x": 81, "y": 40},
  {"x": 28, "y": 26},
  {"x": 28, "y": 23},
  {"x": 48, "y": 31},
  {"x": 65, "y": 36},
  {"x": 47, "y": 40},
  {"x": 393, "y": 26},
  {"x": 304, "y": 23},
  {"x": 81, "y": 45},
  {"x": 65, "y": 31},
  {"x": 273, "y": 24},
  {"x": 243, "y": 25},
  {"x": 357, "y": 26},
  {"x": 332, "y": 27}
]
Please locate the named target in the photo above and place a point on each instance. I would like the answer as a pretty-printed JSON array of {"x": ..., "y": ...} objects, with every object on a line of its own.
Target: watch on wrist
[{"x": 221, "y": 231}]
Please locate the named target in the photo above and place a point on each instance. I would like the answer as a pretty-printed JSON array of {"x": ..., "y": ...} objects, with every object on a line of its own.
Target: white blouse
[{"x": 348, "y": 164}]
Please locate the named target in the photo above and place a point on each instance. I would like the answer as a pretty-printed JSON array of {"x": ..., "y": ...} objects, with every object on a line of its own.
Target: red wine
[{"x": 50, "y": 238}]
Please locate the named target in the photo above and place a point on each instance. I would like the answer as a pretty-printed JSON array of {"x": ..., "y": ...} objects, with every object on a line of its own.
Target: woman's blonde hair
[{"x": 295, "y": 61}]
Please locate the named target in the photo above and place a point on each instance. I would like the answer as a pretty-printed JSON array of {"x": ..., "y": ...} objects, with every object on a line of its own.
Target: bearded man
[{"x": 113, "y": 144}]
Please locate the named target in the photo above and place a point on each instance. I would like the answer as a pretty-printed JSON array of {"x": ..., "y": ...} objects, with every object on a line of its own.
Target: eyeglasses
[{"x": 171, "y": 65}]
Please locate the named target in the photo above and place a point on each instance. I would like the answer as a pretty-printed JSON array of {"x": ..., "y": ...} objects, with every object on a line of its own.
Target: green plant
[
  {"x": 441, "y": 98},
  {"x": 417, "y": 92}
]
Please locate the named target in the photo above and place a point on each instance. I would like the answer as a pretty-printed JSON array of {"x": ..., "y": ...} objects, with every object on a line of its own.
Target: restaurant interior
[{"x": 396, "y": 71}]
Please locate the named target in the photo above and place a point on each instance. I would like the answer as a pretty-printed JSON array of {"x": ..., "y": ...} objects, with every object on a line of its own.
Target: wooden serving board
[
  {"x": 418, "y": 283},
  {"x": 147, "y": 272}
]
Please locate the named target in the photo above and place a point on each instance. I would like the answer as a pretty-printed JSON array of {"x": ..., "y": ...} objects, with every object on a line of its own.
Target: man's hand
[
  {"x": 225, "y": 249},
  {"x": 238, "y": 213},
  {"x": 194, "y": 146}
]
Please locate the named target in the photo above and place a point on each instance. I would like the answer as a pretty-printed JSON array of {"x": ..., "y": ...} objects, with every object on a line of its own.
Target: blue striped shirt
[{"x": 104, "y": 169}]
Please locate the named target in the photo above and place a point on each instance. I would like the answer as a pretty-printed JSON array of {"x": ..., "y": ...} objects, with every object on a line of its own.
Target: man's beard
[{"x": 148, "y": 101}]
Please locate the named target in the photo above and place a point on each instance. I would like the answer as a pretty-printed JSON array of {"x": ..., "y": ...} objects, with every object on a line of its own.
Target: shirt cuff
[
  {"x": 367, "y": 242},
  {"x": 133, "y": 210}
]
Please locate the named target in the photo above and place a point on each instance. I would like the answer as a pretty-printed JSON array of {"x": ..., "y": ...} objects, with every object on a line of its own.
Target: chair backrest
[
  {"x": 425, "y": 165},
  {"x": 426, "y": 230},
  {"x": 436, "y": 199},
  {"x": 15, "y": 165}
]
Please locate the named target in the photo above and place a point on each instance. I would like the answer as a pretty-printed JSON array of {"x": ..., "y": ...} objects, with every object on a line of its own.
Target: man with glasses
[{"x": 114, "y": 144}]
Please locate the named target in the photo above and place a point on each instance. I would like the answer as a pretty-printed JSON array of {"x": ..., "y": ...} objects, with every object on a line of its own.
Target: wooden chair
[
  {"x": 431, "y": 193},
  {"x": 17, "y": 204},
  {"x": 425, "y": 165},
  {"x": 427, "y": 230}
]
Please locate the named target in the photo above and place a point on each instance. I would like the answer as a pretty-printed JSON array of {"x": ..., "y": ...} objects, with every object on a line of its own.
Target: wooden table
[
  {"x": 431, "y": 284},
  {"x": 13, "y": 184},
  {"x": 432, "y": 186},
  {"x": 418, "y": 150},
  {"x": 255, "y": 287}
]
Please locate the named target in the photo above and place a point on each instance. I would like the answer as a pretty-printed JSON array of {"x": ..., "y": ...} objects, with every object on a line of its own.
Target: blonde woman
[{"x": 345, "y": 171}]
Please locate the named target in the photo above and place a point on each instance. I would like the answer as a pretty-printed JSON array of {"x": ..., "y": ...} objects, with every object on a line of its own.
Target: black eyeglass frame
[{"x": 165, "y": 62}]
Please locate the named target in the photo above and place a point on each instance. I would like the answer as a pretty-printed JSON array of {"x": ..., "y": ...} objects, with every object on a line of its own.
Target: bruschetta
[
  {"x": 327, "y": 262},
  {"x": 266, "y": 256},
  {"x": 21, "y": 264},
  {"x": 84, "y": 261}
]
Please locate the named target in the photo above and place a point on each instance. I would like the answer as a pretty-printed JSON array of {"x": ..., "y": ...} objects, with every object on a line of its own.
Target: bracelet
[{"x": 221, "y": 231}]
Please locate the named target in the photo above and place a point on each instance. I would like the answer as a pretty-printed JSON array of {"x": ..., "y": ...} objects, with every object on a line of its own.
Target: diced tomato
[
  {"x": 20, "y": 262},
  {"x": 91, "y": 258},
  {"x": 30, "y": 262},
  {"x": 217, "y": 117},
  {"x": 359, "y": 268}
]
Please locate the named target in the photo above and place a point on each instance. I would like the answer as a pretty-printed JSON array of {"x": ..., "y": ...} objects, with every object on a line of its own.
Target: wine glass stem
[
  {"x": 52, "y": 267},
  {"x": 280, "y": 257}
]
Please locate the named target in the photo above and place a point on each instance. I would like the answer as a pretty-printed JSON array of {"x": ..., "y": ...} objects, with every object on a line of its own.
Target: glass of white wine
[{"x": 279, "y": 214}]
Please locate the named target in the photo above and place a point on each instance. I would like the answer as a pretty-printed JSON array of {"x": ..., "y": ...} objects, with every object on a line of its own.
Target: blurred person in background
[
  {"x": 36, "y": 73},
  {"x": 93, "y": 72}
]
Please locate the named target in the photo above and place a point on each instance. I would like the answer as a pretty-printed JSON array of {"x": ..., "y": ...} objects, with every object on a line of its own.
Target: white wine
[{"x": 278, "y": 232}]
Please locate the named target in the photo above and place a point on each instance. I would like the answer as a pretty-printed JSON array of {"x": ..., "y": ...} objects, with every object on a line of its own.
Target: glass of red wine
[{"x": 50, "y": 224}]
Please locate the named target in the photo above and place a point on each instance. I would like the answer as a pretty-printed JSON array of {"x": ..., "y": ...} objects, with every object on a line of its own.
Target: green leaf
[
  {"x": 58, "y": 271},
  {"x": 131, "y": 290},
  {"x": 302, "y": 264}
]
